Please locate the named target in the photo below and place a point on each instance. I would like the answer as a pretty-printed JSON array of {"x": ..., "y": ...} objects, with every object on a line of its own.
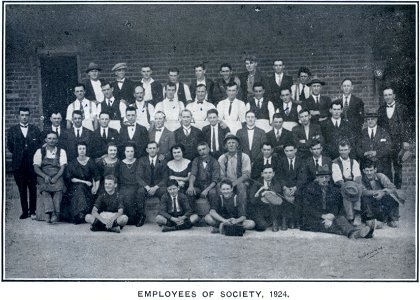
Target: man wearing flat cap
[
  {"x": 321, "y": 207},
  {"x": 375, "y": 144},
  {"x": 123, "y": 87},
  {"x": 235, "y": 165},
  {"x": 93, "y": 84},
  {"x": 317, "y": 104}
]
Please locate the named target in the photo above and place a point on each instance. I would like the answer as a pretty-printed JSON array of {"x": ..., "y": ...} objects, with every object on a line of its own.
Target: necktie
[
  {"x": 78, "y": 133},
  {"x": 80, "y": 106},
  {"x": 230, "y": 107},
  {"x": 317, "y": 162},
  {"x": 266, "y": 161},
  {"x": 287, "y": 110},
  {"x": 174, "y": 204},
  {"x": 317, "y": 99},
  {"x": 152, "y": 165},
  {"x": 104, "y": 134},
  {"x": 277, "y": 134},
  {"x": 260, "y": 103},
  {"x": 152, "y": 172},
  {"x": 291, "y": 165},
  {"x": 213, "y": 140},
  {"x": 346, "y": 105},
  {"x": 324, "y": 196},
  {"x": 302, "y": 94},
  {"x": 336, "y": 124},
  {"x": 187, "y": 132},
  {"x": 109, "y": 103},
  {"x": 371, "y": 135}
]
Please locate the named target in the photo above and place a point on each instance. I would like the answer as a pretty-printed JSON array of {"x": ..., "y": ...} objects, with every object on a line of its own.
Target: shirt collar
[{"x": 147, "y": 82}]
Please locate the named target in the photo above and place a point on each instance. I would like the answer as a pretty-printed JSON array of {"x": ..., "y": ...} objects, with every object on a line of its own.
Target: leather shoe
[
  {"x": 393, "y": 224},
  {"x": 115, "y": 229},
  {"x": 141, "y": 221},
  {"x": 284, "y": 224},
  {"x": 362, "y": 232},
  {"x": 275, "y": 226},
  {"x": 23, "y": 216}
]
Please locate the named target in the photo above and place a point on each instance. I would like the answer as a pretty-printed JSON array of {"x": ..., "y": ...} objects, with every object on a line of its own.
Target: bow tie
[
  {"x": 251, "y": 128},
  {"x": 200, "y": 102},
  {"x": 390, "y": 105},
  {"x": 120, "y": 81},
  {"x": 23, "y": 126},
  {"x": 131, "y": 125},
  {"x": 160, "y": 129}
]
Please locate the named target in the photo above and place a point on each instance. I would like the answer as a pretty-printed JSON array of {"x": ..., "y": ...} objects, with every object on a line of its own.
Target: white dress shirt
[
  {"x": 147, "y": 86},
  {"x": 237, "y": 113},
  {"x": 337, "y": 175},
  {"x": 372, "y": 131},
  {"x": 97, "y": 89},
  {"x": 89, "y": 109},
  {"x": 250, "y": 136},
  {"x": 158, "y": 134},
  {"x": 199, "y": 110},
  {"x": 390, "y": 110},
  {"x": 171, "y": 108},
  {"x": 24, "y": 129},
  {"x": 279, "y": 78}
]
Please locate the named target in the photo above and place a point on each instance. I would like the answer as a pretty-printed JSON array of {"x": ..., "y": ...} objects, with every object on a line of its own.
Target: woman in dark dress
[
  {"x": 107, "y": 165},
  {"x": 84, "y": 177},
  {"x": 128, "y": 185},
  {"x": 179, "y": 167}
]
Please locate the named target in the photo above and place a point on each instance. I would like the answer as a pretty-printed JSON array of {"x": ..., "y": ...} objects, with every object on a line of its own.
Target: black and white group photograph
[{"x": 202, "y": 141}]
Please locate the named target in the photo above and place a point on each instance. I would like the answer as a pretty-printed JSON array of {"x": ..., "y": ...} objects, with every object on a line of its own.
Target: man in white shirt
[
  {"x": 81, "y": 103},
  {"x": 171, "y": 106},
  {"x": 152, "y": 88},
  {"x": 232, "y": 109},
  {"x": 346, "y": 169},
  {"x": 301, "y": 91},
  {"x": 200, "y": 106},
  {"x": 93, "y": 84},
  {"x": 114, "y": 107},
  {"x": 182, "y": 92},
  {"x": 49, "y": 164},
  {"x": 145, "y": 110}
]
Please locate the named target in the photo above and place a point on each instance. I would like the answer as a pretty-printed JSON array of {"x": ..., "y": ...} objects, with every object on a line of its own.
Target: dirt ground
[{"x": 36, "y": 250}]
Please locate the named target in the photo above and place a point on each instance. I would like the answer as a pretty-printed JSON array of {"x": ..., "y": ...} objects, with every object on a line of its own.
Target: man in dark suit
[
  {"x": 249, "y": 77},
  {"x": 318, "y": 105},
  {"x": 335, "y": 129},
  {"x": 188, "y": 135},
  {"x": 153, "y": 92},
  {"x": 201, "y": 78},
  {"x": 162, "y": 136},
  {"x": 214, "y": 134},
  {"x": 287, "y": 109},
  {"x": 77, "y": 134},
  {"x": 304, "y": 134},
  {"x": 375, "y": 144},
  {"x": 152, "y": 174},
  {"x": 321, "y": 207},
  {"x": 123, "y": 87},
  {"x": 291, "y": 180},
  {"x": 62, "y": 133},
  {"x": 278, "y": 136},
  {"x": 22, "y": 141},
  {"x": 251, "y": 138},
  {"x": 93, "y": 84},
  {"x": 221, "y": 84},
  {"x": 392, "y": 116},
  {"x": 265, "y": 214},
  {"x": 102, "y": 136},
  {"x": 133, "y": 132},
  {"x": 267, "y": 156},
  {"x": 315, "y": 162},
  {"x": 278, "y": 81},
  {"x": 353, "y": 107}
]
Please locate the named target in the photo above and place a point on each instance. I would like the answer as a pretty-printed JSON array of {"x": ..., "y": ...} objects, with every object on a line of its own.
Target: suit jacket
[
  {"x": 190, "y": 142},
  {"x": 295, "y": 177},
  {"x": 258, "y": 140},
  {"x": 167, "y": 140},
  {"x": 258, "y": 165},
  {"x": 274, "y": 89},
  {"x": 90, "y": 93},
  {"x": 221, "y": 136},
  {"x": 139, "y": 139},
  {"x": 100, "y": 144},
  {"x": 209, "y": 88},
  {"x": 166, "y": 206},
  {"x": 299, "y": 134},
  {"x": 312, "y": 206},
  {"x": 323, "y": 107},
  {"x": 22, "y": 149},
  {"x": 310, "y": 168},
  {"x": 398, "y": 126},
  {"x": 275, "y": 186},
  {"x": 243, "y": 77},
  {"x": 220, "y": 86},
  {"x": 355, "y": 113},
  {"x": 381, "y": 143},
  {"x": 144, "y": 172},
  {"x": 126, "y": 92},
  {"x": 332, "y": 136},
  {"x": 285, "y": 137},
  {"x": 72, "y": 141}
]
